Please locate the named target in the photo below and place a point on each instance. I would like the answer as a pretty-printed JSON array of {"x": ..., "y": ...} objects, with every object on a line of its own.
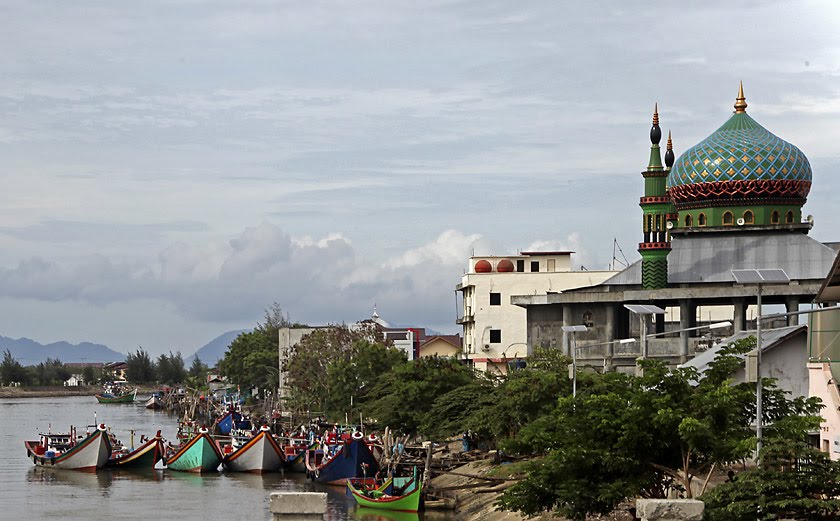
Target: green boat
[
  {"x": 199, "y": 454},
  {"x": 116, "y": 398},
  {"x": 407, "y": 500}
]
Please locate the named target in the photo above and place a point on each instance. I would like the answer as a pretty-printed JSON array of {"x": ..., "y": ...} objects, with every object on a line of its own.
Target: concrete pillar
[
  {"x": 669, "y": 509},
  {"x": 567, "y": 321},
  {"x": 297, "y": 506},
  {"x": 610, "y": 336},
  {"x": 687, "y": 320},
  {"x": 739, "y": 315},
  {"x": 791, "y": 306}
]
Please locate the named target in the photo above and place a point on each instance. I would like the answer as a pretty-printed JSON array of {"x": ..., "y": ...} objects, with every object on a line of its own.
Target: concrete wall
[
  {"x": 787, "y": 363},
  {"x": 823, "y": 385}
]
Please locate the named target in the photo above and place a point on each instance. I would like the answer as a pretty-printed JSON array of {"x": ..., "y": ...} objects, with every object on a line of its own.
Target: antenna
[{"x": 615, "y": 259}]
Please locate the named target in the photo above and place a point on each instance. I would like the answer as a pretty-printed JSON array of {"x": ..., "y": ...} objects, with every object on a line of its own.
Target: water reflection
[
  {"x": 52, "y": 476},
  {"x": 375, "y": 514}
]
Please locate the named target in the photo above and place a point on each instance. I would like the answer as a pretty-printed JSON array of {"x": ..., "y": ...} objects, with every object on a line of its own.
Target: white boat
[
  {"x": 258, "y": 454},
  {"x": 69, "y": 451}
]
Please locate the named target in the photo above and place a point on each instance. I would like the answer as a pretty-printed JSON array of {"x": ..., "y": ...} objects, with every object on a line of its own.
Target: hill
[
  {"x": 213, "y": 351},
  {"x": 29, "y": 352}
]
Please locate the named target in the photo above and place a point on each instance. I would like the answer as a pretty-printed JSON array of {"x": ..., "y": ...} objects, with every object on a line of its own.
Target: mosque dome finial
[
  {"x": 669, "y": 152},
  {"x": 740, "y": 101}
]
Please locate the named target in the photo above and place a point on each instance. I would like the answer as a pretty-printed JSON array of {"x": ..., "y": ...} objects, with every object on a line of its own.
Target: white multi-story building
[{"x": 495, "y": 331}]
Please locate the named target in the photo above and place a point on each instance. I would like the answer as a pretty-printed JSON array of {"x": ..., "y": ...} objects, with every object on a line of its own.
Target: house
[{"x": 441, "y": 345}]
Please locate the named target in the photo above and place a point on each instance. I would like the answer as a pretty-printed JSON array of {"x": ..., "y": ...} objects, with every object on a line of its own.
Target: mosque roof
[
  {"x": 741, "y": 160},
  {"x": 710, "y": 258}
]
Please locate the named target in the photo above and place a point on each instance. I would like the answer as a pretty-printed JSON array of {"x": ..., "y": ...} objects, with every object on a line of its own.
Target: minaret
[{"x": 657, "y": 212}]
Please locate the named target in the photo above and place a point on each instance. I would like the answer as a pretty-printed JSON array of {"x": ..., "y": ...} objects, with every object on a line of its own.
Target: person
[{"x": 730, "y": 477}]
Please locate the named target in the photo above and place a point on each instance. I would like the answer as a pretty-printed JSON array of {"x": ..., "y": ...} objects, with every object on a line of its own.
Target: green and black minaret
[{"x": 658, "y": 212}]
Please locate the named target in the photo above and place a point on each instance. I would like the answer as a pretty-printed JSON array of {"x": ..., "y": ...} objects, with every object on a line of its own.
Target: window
[
  {"x": 727, "y": 218},
  {"x": 774, "y": 217},
  {"x": 587, "y": 319},
  {"x": 550, "y": 266},
  {"x": 749, "y": 217},
  {"x": 789, "y": 217},
  {"x": 495, "y": 299},
  {"x": 701, "y": 220},
  {"x": 520, "y": 265},
  {"x": 495, "y": 336},
  {"x": 535, "y": 266},
  {"x": 688, "y": 221}
]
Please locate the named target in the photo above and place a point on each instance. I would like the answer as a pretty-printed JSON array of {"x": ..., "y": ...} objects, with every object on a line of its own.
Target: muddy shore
[{"x": 46, "y": 392}]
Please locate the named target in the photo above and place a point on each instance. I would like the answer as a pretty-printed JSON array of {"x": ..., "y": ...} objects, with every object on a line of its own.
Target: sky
[{"x": 172, "y": 168}]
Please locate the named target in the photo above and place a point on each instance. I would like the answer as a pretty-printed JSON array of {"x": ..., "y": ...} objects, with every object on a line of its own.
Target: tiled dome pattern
[{"x": 745, "y": 154}]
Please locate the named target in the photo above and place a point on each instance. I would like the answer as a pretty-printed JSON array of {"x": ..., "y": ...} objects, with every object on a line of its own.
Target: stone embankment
[{"x": 42, "y": 392}]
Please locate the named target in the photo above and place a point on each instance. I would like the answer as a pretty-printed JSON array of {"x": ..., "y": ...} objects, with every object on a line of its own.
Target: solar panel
[
  {"x": 644, "y": 309},
  {"x": 573, "y": 329},
  {"x": 765, "y": 276}
]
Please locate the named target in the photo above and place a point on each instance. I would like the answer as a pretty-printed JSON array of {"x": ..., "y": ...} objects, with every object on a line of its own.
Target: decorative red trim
[
  {"x": 721, "y": 193},
  {"x": 654, "y": 245},
  {"x": 654, "y": 199}
]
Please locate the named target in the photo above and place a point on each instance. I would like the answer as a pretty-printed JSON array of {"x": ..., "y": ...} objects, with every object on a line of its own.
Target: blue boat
[
  {"x": 232, "y": 420},
  {"x": 346, "y": 460}
]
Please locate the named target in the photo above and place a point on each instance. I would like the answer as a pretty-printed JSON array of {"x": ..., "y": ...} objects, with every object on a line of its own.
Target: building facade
[{"x": 495, "y": 330}]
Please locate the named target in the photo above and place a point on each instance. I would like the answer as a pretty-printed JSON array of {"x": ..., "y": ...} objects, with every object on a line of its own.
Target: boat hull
[
  {"x": 258, "y": 455},
  {"x": 144, "y": 457},
  {"x": 110, "y": 398},
  {"x": 409, "y": 502},
  {"x": 353, "y": 460},
  {"x": 88, "y": 455},
  {"x": 200, "y": 454}
]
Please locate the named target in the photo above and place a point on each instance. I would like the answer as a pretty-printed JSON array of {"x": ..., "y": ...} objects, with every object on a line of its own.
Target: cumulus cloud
[{"x": 317, "y": 280}]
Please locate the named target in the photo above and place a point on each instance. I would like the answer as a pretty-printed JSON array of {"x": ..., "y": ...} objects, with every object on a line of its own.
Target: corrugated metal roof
[
  {"x": 698, "y": 258},
  {"x": 770, "y": 338}
]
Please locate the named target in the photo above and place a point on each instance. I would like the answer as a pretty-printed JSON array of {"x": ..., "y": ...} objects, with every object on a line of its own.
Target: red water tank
[
  {"x": 504, "y": 266},
  {"x": 483, "y": 266}
]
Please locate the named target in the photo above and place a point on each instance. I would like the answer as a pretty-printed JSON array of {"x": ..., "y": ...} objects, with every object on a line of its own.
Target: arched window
[
  {"x": 774, "y": 217},
  {"x": 688, "y": 221},
  {"x": 701, "y": 220},
  {"x": 727, "y": 218},
  {"x": 749, "y": 217},
  {"x": 789, "y": 217}
]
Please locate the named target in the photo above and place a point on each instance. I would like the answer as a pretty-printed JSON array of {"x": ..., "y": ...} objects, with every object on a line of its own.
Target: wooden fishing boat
[
  {"x": 258, "y": 454},
  {"x": 230, "y": 421},
  {"x": 154, "y": 401},
  {"x": 406, "y": 499},
  {"x": 117, "y": 396},
  {"x": 349, "y": 459},
  {"x": 67, "y": 451},
  {"x": 145, "y": 456},
  {"x": 199, "y": 454},
  {"x": 294, "y": 454}
]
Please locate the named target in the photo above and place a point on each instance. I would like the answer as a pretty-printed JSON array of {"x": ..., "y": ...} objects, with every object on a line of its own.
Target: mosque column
[
  {"x": 792, "y": 306},
  {"x": 610, "y": 336},
  {"x": 687, "y": 320},
  {"x": 567, "y": 321},
  {"x": 739, "y": 315}
]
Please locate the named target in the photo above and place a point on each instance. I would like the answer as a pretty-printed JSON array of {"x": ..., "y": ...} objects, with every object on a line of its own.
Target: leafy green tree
[
  {"x": 170, "y": 368},
  {"x": 405, "y": 393},
  {"x": 795, "y": 481},
  {"x": 198, "y": 369},
  {"x": 51, "y": 372},
  {"x": 466, "y": 408},
  {"x": 308, "y": 364},
  {"x": 252, "y": 359},
  {"x": 625, "y": 436},
  {"x": 140, "y": 369},
  {"x": 89, "y": 375},
  {"x": 354, "y": 378},
  {"x": 12, "y": 371}
]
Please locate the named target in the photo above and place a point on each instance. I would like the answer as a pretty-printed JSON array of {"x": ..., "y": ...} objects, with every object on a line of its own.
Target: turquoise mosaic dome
[{"x": 740, "y": 162}]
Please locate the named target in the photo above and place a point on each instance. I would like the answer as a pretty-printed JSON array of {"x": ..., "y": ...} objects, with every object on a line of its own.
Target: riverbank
[{"x": 46, "y": 392}]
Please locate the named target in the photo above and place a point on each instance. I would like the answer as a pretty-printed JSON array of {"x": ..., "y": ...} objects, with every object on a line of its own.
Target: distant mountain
[
  {"x": 214, "y": 350},
  {"x": 30, "y": 352}
]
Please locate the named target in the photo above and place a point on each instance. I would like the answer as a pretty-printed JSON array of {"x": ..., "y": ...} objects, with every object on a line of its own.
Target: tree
[
  {"x": 405, "y": 394},
  {"x": 170, "y": 368},
  {"x": 12, "y": 371},
  {"x": 308, "y": 363},
  {"x": 89, "y": 375},
  {"x": 139, "y": 367},
  {"x": 198, "y": 369},
  {"x": 51, "y": 372},
  {"x": 795, "y": 481},
  {"x": 253, "y": 357},
  {"x": 625, "y": 436}
]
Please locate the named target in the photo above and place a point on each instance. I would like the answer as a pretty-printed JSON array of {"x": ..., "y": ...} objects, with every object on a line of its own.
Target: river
[{"x": 31, "y": 493}]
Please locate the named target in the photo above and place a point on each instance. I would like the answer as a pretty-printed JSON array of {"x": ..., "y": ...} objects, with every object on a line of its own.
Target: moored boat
[
  {"x": 232, "y": 420},
  {"x": 154, "y": 401},
  {"x": 350, "y": 459},
  {"x": 67, "y": 451},
  {"x": 116, "y": 393},
  {"x": 258, "y": 454},
  {"x": 406, "y": 500},
  {"x": 145, "y": 456},
  {"x": 199, "y": 454}
]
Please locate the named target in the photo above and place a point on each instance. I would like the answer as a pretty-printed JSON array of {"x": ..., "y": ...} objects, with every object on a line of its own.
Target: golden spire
[
  {"x": 656, "y": 113},
  {"x": 670, "y": 144},
  {"x": 740, "y": 101}
]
